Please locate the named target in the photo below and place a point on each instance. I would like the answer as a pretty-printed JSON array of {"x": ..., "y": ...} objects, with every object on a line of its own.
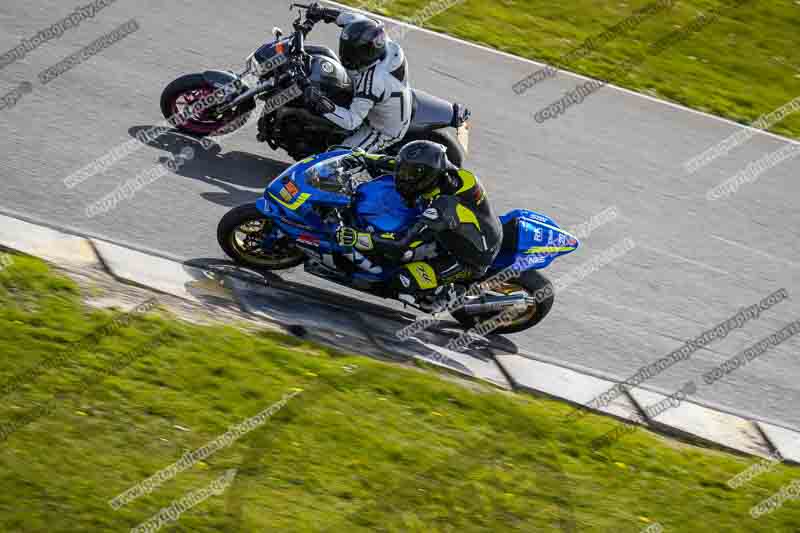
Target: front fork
[{"x": 262, "y": 204}]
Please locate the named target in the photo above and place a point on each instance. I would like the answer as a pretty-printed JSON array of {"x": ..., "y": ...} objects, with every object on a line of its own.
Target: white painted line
[
  {"x": 574, "y": 74},
  {"x": 758, "y": 252},
  {"x": 686, "y": 260}
]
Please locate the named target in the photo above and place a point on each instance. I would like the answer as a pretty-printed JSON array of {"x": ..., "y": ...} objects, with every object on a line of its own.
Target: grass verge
[
  {"x": 743, "y": 65},
  {"x": 364, "y": 446}
]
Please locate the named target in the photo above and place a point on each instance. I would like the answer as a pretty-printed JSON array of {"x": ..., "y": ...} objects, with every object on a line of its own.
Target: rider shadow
[
  {"x": 234, "y": 171},
  {"x": 306, "y": 310},
  {"x": 483, "y": 347}
]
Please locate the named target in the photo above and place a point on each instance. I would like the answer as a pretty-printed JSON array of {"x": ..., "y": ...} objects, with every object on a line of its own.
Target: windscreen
[{"x": 334, "y": 174}]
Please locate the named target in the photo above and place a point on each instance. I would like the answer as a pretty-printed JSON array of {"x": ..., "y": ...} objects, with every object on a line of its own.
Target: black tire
[
  {"x": 253, "y": 256},
  {"x": 233, "y": 120},
  {"x": 455, "y": 152},
  {"x": 536, "y": 285}
]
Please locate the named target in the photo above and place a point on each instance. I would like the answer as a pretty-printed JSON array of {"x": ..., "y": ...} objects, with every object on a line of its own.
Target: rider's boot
[{"x": 443, "y": 298}]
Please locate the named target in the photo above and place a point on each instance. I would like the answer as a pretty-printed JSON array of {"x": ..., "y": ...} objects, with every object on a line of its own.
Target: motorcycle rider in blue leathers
[{"x": 455, "y": 215}]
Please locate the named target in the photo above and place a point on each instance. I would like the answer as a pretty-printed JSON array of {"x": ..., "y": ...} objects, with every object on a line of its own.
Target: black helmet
[
  {"x": 420, "y": 165},
  {"x": 362, "y": 43}
]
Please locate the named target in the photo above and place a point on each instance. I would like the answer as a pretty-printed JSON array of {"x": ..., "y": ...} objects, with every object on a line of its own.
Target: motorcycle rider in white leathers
[{"x": 380, "y": 112}]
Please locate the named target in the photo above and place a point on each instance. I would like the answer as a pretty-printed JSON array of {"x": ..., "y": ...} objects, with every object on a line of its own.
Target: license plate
[{"x": 463, "y": 136}]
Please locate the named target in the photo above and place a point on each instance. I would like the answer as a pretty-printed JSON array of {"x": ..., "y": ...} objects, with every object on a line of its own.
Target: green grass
[
  {"x": 380, "y": 448},
  {"x": 744, "y": 65}
]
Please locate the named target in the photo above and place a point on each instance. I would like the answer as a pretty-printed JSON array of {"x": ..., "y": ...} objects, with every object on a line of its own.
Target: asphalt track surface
[{"x": 695, "y": 264}]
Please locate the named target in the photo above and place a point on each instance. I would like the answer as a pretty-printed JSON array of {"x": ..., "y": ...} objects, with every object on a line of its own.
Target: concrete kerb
[
  {"x": 541, "y": 378},
  {"x": 698, "y": 423},
  {"x": 138, "y": 268},
  {"x": 785, "y": 441},
  {"x": 48, "y": 244}
]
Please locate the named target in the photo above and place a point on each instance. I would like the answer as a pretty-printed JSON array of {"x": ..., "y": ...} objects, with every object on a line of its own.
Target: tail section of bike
[
  {"x": 532, "y": 240},
  {"x": 516, "y": 295}
]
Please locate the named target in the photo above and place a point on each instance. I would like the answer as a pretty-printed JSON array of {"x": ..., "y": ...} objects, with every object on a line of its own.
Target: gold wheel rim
[{"x": 508, "y": 288}]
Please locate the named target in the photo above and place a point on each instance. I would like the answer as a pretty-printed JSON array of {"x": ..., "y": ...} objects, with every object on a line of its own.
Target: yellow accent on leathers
[{"x": 424, "y": 274}]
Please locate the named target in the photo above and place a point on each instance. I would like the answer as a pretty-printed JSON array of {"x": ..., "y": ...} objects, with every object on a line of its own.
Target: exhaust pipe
[{"x": 497, "y": 304}]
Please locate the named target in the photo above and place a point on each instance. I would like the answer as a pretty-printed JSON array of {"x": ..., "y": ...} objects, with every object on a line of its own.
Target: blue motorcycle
[{"x": 295, "y": 223}]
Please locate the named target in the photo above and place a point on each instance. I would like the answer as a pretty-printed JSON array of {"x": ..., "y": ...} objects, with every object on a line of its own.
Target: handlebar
[
  {"x": 316, "y": 13},
  {"x": 304, "y": 27}
]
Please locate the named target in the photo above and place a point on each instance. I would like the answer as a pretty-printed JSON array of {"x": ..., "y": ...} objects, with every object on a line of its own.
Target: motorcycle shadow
[
  {"x": 235, "y": 172},
  {"x": 330, "y": 317}
]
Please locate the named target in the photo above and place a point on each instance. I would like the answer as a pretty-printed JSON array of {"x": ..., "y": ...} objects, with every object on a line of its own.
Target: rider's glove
[
  {"x": 378, "y": 165},
  {"x": 316, "y": 13},
  {"x": 318, "y": 102},
  {"x": 330, "y": 15},
  {"x": 347, "y": 237}
]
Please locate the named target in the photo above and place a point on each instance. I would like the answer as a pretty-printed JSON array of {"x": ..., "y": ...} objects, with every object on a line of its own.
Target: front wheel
[
  {"x": 178, "y": 98},
  {"x": 241, "y": 234},
  {"x": 531, "y": 282}
]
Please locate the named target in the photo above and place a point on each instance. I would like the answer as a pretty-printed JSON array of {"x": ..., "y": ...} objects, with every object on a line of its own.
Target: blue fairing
[
  {"x": 291, "y": 202},
  {"x": 297, "y": 174},
  {"x": 539, "y": 241},
  {"x": 378, "y": 204},
  {"x": 296, "y": 217}
]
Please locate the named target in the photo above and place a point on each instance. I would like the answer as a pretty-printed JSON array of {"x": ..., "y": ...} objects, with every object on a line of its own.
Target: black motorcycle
[{"x": 276, "y": 71}]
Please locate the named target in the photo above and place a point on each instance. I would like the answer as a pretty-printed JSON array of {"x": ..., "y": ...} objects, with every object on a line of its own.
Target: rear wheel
[
  {"x": 181, "y": 94},
  {"x": 241, "y": 234},
  {"x": 455, "y": 152},
  {"x": 531, "y": 282}
]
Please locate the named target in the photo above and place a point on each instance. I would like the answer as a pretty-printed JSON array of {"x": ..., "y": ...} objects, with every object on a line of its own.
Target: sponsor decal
[
  {"x": 431, "y": 213},
  {"x": 292, "y": 188},
  {"x": 424, "y": 274},
  {"x": 405, "y": 280},
  {"x": 364, "y": 241},
  {"x": 540, "y": 218},
  {"x": 308, "y": 240},
  {"x": 286, "y": 195},
  {"x": 327, "y": 68},
  {"x": 289, "y": 222}
]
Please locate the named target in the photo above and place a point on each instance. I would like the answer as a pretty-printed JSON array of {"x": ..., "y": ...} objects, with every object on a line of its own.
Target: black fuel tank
[{"x": 332, "y": 79}]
